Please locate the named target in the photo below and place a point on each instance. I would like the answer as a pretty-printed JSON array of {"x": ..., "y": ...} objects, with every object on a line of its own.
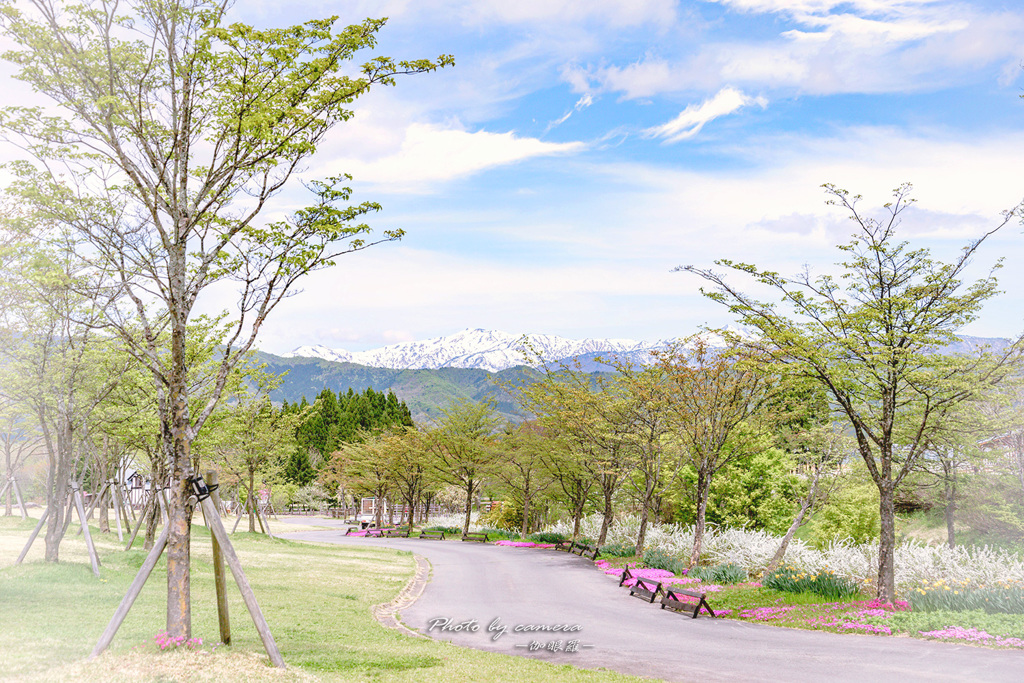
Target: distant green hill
[{"x": 424, "y": 391}]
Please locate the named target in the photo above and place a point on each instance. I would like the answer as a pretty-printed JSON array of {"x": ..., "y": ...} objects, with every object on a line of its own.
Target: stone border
[{"x": 387, "y": 613}]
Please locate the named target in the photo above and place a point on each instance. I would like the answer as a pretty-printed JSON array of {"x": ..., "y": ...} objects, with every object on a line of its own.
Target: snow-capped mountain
[{"x": 484, "y": 349}]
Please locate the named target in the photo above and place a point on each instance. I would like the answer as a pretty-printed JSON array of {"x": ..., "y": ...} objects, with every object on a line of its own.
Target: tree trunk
[
  {"x": 252, "y": 501},
  {"x": 525, "y": 529},
  {"x": 177, "y": 444},
  {"x": 609, "y": 513},
  {"x": 805, "y": 505},
  {"x": 886, "y": 543},
  {"x": 577, "y": 517},
  {"x": 950, "y": 510},
  {"x": 642, "y": 535},
  {"x": 703, "y": 489},
  {"x": 469, "y": 506}
]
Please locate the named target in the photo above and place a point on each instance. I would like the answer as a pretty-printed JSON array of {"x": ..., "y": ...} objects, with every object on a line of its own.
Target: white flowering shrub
[{"x": 753, "y": 550}]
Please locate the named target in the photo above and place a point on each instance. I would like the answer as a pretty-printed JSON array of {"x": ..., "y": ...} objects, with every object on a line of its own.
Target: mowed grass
[{"x": 316, "y": 598}]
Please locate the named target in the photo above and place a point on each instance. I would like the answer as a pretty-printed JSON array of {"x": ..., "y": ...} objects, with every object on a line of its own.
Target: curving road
[{"x": 479, "y": 594}]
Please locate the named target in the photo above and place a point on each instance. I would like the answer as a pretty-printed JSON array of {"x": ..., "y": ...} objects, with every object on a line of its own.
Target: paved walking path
[{"x": 481, "y": 589}]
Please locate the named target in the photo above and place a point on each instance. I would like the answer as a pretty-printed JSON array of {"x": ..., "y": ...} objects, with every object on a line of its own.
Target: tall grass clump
[
  {"x": 824, "y": 582},
  {"x": 618, "y": 549},
  {"x": 1000, "y": 598},
  {"x": 659, "y": 559},
  {"x": 719, "y": 573}
]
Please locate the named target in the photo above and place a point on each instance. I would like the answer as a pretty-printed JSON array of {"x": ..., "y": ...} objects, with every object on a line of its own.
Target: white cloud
[
  {"x": 863, "y": 47},
  {"x": 581, "y": 104},
  {"x": 692, "y": 119},
  {"x": 420, "y": 155}
]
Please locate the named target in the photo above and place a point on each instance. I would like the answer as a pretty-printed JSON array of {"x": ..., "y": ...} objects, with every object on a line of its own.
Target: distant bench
[
  {"x": 672, "y": 601},
  {"x": 584, "y": 550},
  {"x": 396, "y": 533},
  {"x": 435, "y": 535},
  {"x": 475, "y": 536}
]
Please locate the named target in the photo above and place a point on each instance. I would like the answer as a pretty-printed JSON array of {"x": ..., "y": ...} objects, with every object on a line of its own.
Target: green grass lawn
[{"x": 316, "y": 598}]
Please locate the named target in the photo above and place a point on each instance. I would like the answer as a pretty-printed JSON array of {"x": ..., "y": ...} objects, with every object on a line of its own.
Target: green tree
[
  {"x": 713, "y": 397},
  {"x": 459, "y": 449},
  {"x": 175, "y": 132},
  {"x": 871, "y": 337}
]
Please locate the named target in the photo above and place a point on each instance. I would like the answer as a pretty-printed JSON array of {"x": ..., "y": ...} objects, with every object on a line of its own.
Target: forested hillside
[{"x": 423, "y": 391}]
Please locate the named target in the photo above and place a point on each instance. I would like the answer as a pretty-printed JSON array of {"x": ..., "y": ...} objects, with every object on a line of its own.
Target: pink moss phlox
[
  {"x": 766, "y": 613},
  {"x": 972, "y": 635},
  {"x": 517, "y": 544},
  {"x": 166, "y": 642}
]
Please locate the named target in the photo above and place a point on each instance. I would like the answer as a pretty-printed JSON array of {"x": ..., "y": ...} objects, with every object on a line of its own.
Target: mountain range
[
  {"x": 489, "y": 350},
  {"x": 471, "y": 364}
]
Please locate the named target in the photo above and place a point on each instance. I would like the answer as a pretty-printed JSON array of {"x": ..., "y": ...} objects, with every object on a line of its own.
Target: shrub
[
  {"x": 503, "y": 515},
  {"x": 618, "y": 549},
  {"x": 824, "y": 583},
  {"x": 446, "y": 529},
  {"x": 500, "y": 534},
  {"x": 547, "y": 537},
  {"x": 720, "y": 573},
  {"x": 657, "y": 559}
]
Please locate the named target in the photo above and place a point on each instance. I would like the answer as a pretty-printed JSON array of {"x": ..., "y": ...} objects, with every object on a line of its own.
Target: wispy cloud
[
  {"x": 581, "y": 104},
  {"x": 692, "y": 119}
]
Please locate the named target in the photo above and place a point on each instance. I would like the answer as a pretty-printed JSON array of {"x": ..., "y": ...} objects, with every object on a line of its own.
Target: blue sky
[{"x": 581, "y": 149}]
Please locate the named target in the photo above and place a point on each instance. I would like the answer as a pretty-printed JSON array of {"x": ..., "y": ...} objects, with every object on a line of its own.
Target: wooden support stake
[
  {"x": 219, "y": 578},
  {"x": 21, "y": 502},
  {"x": 133, "y": 592},
  {"x": 151, "y": 500},
  {"x": 221, "y": 534},
  {"x": 93, "y": 557},
  {"x": 266, "y": 523},
  {"x": 116, "y": 500},
  {"x": 237, "y": 519},
  {"x": 32, "y": 538}
]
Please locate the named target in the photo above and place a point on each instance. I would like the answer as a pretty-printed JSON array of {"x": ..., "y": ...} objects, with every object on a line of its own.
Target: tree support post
[
  {"x": 17, "y": 494},
  {"x": 219, "y": 578},
  {"x": 93, "y": 558},
  {"x": 32, "y": 538},
  {"x": 150, "y": 500},
  {"x": 221, "y": 534},
  {"x": 133, "y": 592}
]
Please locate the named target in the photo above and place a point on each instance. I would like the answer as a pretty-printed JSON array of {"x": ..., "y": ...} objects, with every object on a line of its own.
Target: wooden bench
[
  {"x": 671, "y": 600},
  {"x": 646, "y": 589},
  {"x": 375, "y": 533},
  {"x": 563, "y": 545},
  {"x": 349, "y": 530},
  {"x": 435, "y": 535},
  {"x": 626, "y": 576},
  {"x": 475, "y": 536},
  {"x": 396, "y": 533},
  {"x": 584, "y": 550}
]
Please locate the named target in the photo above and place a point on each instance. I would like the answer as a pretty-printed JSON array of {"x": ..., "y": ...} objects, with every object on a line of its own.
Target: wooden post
[
  {"x": 93, "y": 558},
  {"x": 219, "y": 578},
  {"x": 117, "y": 509},
  {"x": 32, "y": 538},
  {"x": 151, "y": 500},
  {"x": 237, "y": 519},
  {"x": 221, "y": 534},
  {"x": 133, "y": 592},
  {"x": 17, "y": 494},
  {"x": 266, "y": 523}
]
